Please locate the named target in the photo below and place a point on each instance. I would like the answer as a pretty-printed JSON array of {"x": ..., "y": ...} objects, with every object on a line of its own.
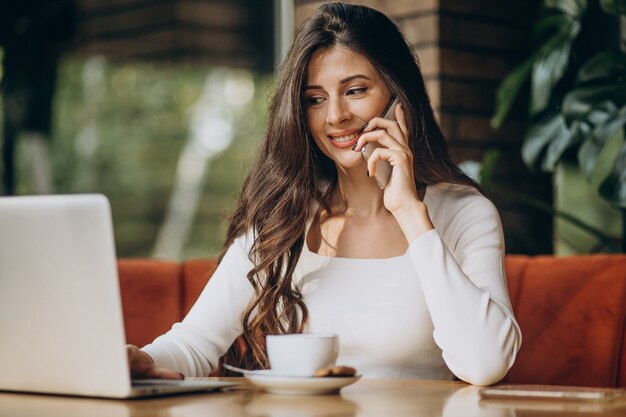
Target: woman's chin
[{"x": 350, "y": 165}]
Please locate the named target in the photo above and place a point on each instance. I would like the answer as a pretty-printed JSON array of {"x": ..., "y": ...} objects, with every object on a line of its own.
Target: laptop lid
[
  {"x": 61, "y": 322},
  {"x": 60, "y": 311}
]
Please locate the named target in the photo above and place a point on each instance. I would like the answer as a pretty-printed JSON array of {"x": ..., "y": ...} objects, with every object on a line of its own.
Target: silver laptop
[{"x": 61, "y": 326}]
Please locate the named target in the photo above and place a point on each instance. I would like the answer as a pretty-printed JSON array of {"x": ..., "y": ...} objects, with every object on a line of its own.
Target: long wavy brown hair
[{"x": 290, "y": 172}]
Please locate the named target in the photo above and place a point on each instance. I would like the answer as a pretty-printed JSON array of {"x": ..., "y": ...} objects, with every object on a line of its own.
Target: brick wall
[{"x": 465, "y": 48}]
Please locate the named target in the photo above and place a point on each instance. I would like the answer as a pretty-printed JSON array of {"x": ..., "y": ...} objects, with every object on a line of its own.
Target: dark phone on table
[{"x": 383, "y": 168}]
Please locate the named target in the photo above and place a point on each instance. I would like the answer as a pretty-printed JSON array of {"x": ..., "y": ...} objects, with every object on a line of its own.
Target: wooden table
[{"x": 368, "y": 397}]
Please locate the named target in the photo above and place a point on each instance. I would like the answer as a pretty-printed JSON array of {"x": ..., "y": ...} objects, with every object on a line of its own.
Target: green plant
[
  {"x": 586, "y": 113},
  {"x": 577, "y": 97}
]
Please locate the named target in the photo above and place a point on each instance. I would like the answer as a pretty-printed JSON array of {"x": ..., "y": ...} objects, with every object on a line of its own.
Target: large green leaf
[
  {"x": 508, "y": 90},
  {"x": 539, "y": 135},
  {"x": 551, "y": 63},
  {"x": 613, "y": 188},
  {"x": 591, "y": 114},
  {"x": 554, "y": 31},
  {"x": 607, "y": 65},
  {"x": 546, "y": 140},
  {"x": 578, "y": 103},
  {"x": 598, "y": 103},
  {"x": 547, "y": 26},
  {"x": 573, "y": 8},
  {"x": 613, "y": 6},
  {"x": 565, "y": 139},
  {"x": 550, "y": 67},
  {"x": 596, "y": 141},
  {"x": 600, "y": 80}
]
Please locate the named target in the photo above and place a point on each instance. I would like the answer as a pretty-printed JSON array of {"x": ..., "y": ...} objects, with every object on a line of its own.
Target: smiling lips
[{"x": 345, "y": 139}]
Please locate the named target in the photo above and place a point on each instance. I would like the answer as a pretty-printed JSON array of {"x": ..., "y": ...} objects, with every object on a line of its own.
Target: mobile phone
[
  {"x": 551, "y": 392},
  {"x": 383, "y": 168}
]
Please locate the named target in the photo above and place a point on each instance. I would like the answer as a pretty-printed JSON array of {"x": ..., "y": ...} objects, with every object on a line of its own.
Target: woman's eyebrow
[
  {"x": 342, "y": 81},
  {"x": 352, "y": 77}
]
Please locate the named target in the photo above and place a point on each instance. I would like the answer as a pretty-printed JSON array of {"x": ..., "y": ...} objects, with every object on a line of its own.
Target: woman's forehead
[{"x": 336, "y": 63}]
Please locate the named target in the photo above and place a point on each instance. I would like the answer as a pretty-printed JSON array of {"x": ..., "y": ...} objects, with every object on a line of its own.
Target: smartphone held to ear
[{"x": 383, "y": 168}]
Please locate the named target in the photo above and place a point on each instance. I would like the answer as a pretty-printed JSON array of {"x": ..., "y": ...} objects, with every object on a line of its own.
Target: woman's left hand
[{"x": 392, "y": 136}]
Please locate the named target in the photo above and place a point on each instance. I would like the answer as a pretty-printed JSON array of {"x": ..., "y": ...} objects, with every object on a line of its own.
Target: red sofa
[{"x": 572, "y": 312}]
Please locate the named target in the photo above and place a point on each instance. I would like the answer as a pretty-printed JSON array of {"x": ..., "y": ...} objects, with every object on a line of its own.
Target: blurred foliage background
[
  {"x": 119, "y": 128},
  {"x": 127, "y": 98},
  {"x": 159, "y": 105}
]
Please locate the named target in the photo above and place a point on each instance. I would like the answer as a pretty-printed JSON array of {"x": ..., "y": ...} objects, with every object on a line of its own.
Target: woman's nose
[{"x": 337, "y": 112}]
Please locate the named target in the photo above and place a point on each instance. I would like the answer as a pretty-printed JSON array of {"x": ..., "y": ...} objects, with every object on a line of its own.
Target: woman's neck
[{"x": 357, "y": 194}]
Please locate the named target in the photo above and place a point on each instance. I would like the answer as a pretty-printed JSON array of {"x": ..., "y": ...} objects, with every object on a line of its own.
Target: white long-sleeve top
[{"x": 439, "y": 310}]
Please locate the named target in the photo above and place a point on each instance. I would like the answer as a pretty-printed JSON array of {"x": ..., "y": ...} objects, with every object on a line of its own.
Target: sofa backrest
[
  {"x": 151, "y": 298},
  {"x": 572, "y": 315},
  {"x": 157, "y": 294},
  {"x": 572, "y": 312}
]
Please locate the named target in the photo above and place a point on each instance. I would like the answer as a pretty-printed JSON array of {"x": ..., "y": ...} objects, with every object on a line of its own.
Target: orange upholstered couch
[{"x": 571, "y": 310}]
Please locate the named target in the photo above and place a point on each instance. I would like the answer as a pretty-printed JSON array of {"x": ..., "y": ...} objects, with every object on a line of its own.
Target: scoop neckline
[{"x": 341, "y": 258}]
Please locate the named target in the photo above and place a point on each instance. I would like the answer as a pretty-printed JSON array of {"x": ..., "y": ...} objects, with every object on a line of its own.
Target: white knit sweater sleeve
[
  {"x": 460, "y": 266},
  {"x": 194, "y": 346}
]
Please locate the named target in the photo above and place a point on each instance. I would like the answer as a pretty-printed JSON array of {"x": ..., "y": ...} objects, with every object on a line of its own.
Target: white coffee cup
[{"x": 301, "y": 354}]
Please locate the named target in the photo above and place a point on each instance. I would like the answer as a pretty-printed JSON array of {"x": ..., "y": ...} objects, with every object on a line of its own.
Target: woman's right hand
[{"x": 142, "y": 366}]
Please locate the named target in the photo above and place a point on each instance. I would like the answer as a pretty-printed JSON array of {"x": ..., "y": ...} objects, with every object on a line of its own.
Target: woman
[{"x": 411, "y": 277}]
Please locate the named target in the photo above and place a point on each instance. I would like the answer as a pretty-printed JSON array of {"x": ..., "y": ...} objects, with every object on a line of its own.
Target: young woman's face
[{"x": 342, "y": 92}]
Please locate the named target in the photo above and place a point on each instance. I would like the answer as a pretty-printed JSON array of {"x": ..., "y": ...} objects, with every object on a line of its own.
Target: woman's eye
[
  {"x": 313, "y": 101},
  {"x": 356, "y": 91}
]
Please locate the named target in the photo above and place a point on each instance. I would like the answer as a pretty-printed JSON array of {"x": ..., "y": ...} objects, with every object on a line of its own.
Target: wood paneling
[{"x": 219, "y": 32}]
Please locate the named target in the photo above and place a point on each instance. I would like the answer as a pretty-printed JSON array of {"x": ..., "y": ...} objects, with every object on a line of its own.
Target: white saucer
[{"x": 295, "y": 385}]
